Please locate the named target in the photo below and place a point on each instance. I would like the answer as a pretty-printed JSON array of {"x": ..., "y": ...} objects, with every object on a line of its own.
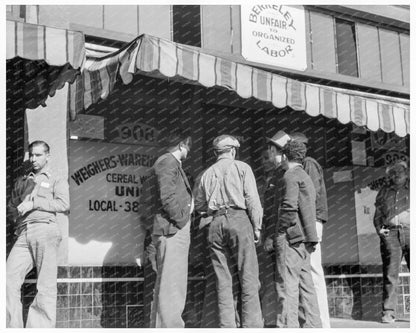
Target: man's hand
[
  {"x": 257, "y": 235},
  {"x": 24, "y": 207},
  {"x": 310, "y": 246},
  {"x": 383, "y": 232},
  {"x": 268, "y": 244},
  {"x": 150, "y": 255}
]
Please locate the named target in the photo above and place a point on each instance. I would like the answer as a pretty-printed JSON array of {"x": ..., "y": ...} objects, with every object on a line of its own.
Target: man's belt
[{"x": 224, "y": 211}]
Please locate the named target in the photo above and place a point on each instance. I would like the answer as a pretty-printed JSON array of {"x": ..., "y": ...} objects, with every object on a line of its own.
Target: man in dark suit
[{"x": 172, "y": 208}]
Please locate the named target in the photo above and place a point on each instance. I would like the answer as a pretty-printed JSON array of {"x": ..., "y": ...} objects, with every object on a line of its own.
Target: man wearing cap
[
  {"x": 227, "y": 193},
  {"x": 172, "y": 204},
  {"x": 392, "y": 223},
  {"x": 295, "y": 239},
  {"x": 314, "y": 170},
  {"x": 267, "y": 260}
]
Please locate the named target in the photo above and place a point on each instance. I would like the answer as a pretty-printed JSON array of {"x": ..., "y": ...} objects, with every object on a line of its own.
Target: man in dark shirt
[
  {"x": 314, "y": 170},
  {"x": 392, "y": 223},
  {"x": 170, "y": 204},
  {"x": 295, "y": 239}
]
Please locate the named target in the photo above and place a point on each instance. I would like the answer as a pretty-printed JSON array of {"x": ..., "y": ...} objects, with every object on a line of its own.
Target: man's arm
[
  {"x": 252, "y": 199},
  {"x": 166, "y": 173},
  {"x": 60, "y": 201},
  {"x": 14, "y": 202},
  {"x": 201, "y": 204},
  {"x": 379, "y": 216},
  {"x": 315, "y": 173},
  {"x": 288, "y": 209}
]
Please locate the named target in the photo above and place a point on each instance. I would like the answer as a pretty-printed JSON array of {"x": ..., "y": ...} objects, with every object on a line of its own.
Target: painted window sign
[
  {"x": 105, "y": 184},
  {"x": 274, "y": 35}
]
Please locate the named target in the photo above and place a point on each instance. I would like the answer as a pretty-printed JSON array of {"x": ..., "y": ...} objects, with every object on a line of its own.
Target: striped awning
[
  {"x": 39, "y": 61},
  {"x": 37, "y": 42},
  {"x": 153, "y": 56}
]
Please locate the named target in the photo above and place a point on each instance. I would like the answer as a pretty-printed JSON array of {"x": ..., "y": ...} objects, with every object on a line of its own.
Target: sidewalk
[{"x": 351, "y": 323}]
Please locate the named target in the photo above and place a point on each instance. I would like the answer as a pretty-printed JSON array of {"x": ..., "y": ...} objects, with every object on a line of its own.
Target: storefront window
[
  {"x": 187, "y": 25},
  {"x": 346, "y": 47}
]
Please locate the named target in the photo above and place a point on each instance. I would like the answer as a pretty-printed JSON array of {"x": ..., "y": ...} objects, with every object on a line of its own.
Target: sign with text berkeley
[
  {"x": 105, "y": 186},
  {"x": 274, "y": 35}
]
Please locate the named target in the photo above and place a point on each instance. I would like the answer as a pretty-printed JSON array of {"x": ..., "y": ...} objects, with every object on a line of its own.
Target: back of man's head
[
  {"x": 176, "y": 137},
  {"x": 295, "y": 151},
  {"x": 224, "y": 144}
]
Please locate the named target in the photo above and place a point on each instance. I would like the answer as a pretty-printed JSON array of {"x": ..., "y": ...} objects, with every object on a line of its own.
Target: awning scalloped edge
[{"x": 147, "y": 54}]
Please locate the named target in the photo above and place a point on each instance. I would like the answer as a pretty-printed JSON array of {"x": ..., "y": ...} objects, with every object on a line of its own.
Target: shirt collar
[
  {"x": 180, "y": 162},
  {"x": 224, "y": 157},
  {"x": 45, "y": 171}
]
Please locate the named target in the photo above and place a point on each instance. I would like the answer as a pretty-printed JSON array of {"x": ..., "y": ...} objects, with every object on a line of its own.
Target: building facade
[{"x": 340, "y": 75}]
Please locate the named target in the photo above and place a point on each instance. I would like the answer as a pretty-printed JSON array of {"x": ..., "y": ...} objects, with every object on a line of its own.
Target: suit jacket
[{"x": 171, "y": 198}]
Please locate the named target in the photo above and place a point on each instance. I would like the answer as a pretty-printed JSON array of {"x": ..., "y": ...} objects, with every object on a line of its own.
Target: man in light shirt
[
  {"x": 35, "y": 200},
  {"x": 227, "y": 194}
]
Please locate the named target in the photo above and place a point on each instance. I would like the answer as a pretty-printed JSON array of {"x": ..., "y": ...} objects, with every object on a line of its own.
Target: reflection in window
[{"x": 346, "y": 47}]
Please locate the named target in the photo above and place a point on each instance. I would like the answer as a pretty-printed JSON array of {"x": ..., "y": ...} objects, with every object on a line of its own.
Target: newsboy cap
[
  {"x": 298, "y": 136},
  {"x": 225, "y": 141},
  {"x": 279, "y": 139}
]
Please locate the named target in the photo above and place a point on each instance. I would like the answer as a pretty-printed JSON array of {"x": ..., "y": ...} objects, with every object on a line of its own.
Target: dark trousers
[
  {"x": 294, "y": 286},
  {"x": 233, "y": 256},
  {"x": 393, "y": 247},
  {"x": 268, "y": 297}
]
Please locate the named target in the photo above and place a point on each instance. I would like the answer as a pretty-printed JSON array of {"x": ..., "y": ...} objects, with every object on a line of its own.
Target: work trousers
[
  {"x": 36, "y": 246},
  {"x": 294, "y": 286},
  {"x": 268, "y": 297},
  {"x": 233, "y": 256},
  {"x": 393, "y": 247},
  {"x": 171, "y": 281},
  {"x": 318, "y": 278}
]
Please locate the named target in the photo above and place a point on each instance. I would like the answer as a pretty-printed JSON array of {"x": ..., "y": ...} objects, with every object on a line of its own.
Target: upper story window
[
  {"x": 346, "y": 47},
  {"x": 187, "y": 24}
]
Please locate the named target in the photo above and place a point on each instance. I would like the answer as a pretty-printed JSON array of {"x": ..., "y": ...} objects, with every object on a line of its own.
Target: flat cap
[
  {"x": 298, "y": 136},
  {"x": 225, "y": 141}
]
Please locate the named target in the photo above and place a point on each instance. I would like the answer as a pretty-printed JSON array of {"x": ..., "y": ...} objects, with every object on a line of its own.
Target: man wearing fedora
[{"x": 392, "y": 223}]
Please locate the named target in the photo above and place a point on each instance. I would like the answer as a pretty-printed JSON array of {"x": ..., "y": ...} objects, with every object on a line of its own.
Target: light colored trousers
[
  {"x": 37, "y": 246},
  {"x": 172, "y": 278},
  {"x": 318, "y": 279}
]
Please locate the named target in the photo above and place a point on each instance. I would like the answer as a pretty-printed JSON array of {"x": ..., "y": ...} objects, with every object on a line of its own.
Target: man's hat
[
  {"x": 225, "y": 141},
  {"x": 396, "y": 166},
  {"x": 298, "y": 136},
  {"x": 279, "y": 139}
]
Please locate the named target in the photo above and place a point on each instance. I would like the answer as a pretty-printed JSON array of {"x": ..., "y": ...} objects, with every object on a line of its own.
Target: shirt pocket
[{"x": 45, "y": 192}]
